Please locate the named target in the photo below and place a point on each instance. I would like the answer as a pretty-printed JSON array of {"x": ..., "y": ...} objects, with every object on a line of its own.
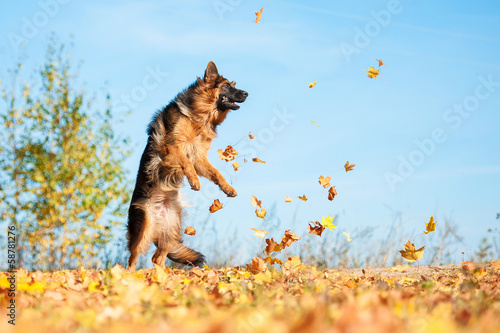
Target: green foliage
[{"x": 62, "y": 183}]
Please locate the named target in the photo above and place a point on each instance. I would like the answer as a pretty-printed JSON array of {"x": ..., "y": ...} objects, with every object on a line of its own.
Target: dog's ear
[
  {"x": 211, "y": 73},
  {"x": 233, "y": 84}
]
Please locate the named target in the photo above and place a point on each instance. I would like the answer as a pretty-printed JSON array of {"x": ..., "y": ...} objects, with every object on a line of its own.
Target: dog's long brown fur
[{"x": 180, "y": 136}]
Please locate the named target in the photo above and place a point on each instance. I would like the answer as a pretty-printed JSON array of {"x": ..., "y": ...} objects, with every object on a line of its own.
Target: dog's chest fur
[{"x": 194, "y": 139}]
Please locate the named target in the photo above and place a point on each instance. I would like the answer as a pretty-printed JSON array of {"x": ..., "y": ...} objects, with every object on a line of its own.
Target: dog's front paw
[
  {"x": 195, "y": 185},
  {"x": 230, "y": 192}
]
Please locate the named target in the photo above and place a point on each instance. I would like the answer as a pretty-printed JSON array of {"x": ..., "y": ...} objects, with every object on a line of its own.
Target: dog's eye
[{"x": 227, "y": 85}]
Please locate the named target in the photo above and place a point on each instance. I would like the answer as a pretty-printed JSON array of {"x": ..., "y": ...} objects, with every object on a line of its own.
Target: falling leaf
[
  {"x": 292, "y": 263},
  {"x": 190, "y": 231},
  {"x": 228, "y": 154},
  {"x": 312, "y": 84},
  {"x": 372, "y": 72},
  {"x": 261, "y": 213},
  {"x": 258, "y": 14},
  {"x": 316, "y": 228},
  {"x": 251, "y": 136},
  {"x": 350, "y": 284},
  {"x": 288, "y": 199},
  {"x": 273, "y": 261},
  {"x": 332, "y": 192},
  {"x": 236, "y": 165},
  {"x": 380, "y": 63},
  {"x": 255, "y": 202},
  {"x": 410, "y": 254},
  {"x": 430, "y": 226},
  {"x": 272, "y": 246},
  {"x": 315, "y": 124},
  {"x": 288, "y": 238},
  {"x": 348, "y": 235},
  {"x": 258, "y": 265},
  {"x": 215, "y": 206},
  {"x": 325, "y": 182},
  {"x": 257, "y": 160},
  {"x": 349, "y": 167},
  {"x": 327, "y": 222},
  {"x": 303, "y": 198},
  {"x": 259, "y": 233}
]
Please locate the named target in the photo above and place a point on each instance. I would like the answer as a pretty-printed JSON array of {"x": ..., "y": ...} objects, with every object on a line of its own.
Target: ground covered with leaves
[{"x": 291, "y": 298}]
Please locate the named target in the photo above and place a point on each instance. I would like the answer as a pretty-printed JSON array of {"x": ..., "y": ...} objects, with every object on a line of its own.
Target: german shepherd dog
[{"x": 180, "y": 136}]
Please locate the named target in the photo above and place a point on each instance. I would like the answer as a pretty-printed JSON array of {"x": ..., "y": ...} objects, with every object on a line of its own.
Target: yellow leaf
[
  {"x": 348, "y": 235},
  {"x": 288, "y": 199},
  {"x": 261, "y": 213},
  {"x": 410, "y": 254},
  {"x": 315, "y": 124},
  {"x": 431, "y": 226},
  {"x": 160, "y": 275},
  {"x": 236, "y": 165},
  {"x": 259, "y": 233},
  {"x": 327, "y": 222},
  {"x": 372, "y": 72},
  {"x": 312, "y": 84}
]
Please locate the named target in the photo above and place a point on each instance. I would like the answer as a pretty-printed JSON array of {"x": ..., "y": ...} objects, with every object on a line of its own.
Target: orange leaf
[
  {"x": 288, "y": 238},
  {"x": 272, "y": 246},
  {"x": 350, "y": 284},
  {"x": 236, "y": 165},
  {"x": 303, "y": 198},
  {"x": 349, "y": 167},
  {"x": 316, "y": 228},
  {"x": 273, "y": 261},
  {"x": 332, "y": 192},
  {"x": 380, "y": 63},
  {"x": 251, "y": 136},
  {"x": 468, "y": 266},
  {"x": 255, "y": 202},
  {"x": 190, "y": 231},
  {"x": 258, "y": 14},
  {"x": 325, "y": 182},
  {"x": 215, "y": 206},
  {"x": 288, "y": 199},
  {"x": 258, "y": 265},
  {"x": 258, "y": 160},
  {"x": 228, "y": 154},
  {"x": 312, "y": 84}
]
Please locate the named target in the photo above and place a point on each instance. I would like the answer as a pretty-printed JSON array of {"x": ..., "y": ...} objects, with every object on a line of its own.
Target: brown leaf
[
  {"x": 316, "y": 228},
  {"x": 258, "y": 160},
  {"x": 261, "y": 213},
  {"x": 217, "y": 205},
  {"x": 468, "y": 266},
  {"x": 190, "y": 231},
  {"x": 332, "y": 192},
  {"x": 228, "y": 154}
]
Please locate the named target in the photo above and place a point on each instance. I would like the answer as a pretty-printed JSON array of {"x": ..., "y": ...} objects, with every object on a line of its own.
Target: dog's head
[{"x": 226, "y": 94}]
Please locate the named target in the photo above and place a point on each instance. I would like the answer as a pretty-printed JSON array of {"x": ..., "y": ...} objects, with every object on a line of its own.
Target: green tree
[{"x": 62, "y": 181}]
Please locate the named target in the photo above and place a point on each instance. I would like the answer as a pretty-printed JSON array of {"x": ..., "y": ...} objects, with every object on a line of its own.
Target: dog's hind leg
[{"x": 139, "y": 231}]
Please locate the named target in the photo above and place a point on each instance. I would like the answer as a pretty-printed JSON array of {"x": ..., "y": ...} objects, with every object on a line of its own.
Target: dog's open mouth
[{"x": 230, "y": 103}]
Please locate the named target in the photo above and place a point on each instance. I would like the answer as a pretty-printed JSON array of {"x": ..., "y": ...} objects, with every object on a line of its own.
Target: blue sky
[{"x": 437, "y": 56}]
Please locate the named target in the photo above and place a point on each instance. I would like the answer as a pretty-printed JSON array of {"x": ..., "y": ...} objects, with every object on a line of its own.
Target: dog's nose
[{"x": 244, "y": 93}]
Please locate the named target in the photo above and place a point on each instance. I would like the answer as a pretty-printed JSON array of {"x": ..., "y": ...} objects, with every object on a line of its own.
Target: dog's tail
[{"x": 186, "y": 256}]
